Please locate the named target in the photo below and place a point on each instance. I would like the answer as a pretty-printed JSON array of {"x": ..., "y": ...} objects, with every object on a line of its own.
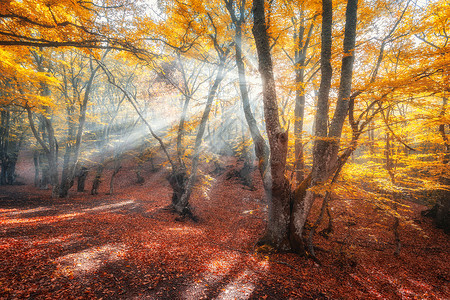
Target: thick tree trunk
[
  {"x": 4, "y": 144},
  {"x": 52, "y": 158},
  {"x": 298, "y": 129},
  {"x": 177, "y": 180},
  {"x": 303, "y": 200},
  {"x": 326, "y": 145},
  {"x": 345, "y": 86},
  {"x": 36, "y": 159},
  {"x": 276, "y": 233},
  {"x": 66, "y": 181},
  {"x": 442, "y": 218},
  {"x": 139, "y": 178}
]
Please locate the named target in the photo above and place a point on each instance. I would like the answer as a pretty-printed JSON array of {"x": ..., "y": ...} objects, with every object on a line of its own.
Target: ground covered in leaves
[{"x": 129, "y": 246}]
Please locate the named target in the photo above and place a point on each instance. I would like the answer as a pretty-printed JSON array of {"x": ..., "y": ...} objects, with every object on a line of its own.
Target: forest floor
[{"x": 129, "y": 246}]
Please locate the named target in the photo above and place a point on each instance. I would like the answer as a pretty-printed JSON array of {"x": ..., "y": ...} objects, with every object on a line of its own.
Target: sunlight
[
  {"x": 129, "y": 138},
  {"x": 241, "y": 288},
  {"x": 41, "y": 220},
  {"x": 367, "y": 284},
  {"x": 28, "y": 211},
  {"x": 420, "y": 284},
  {"x": 63, "y": 240},
  {"x": 402, "y": 290},
  {"x": 89, "y": 260},
  {"x": 197, "y": 289},
  {"x": 216, "y": 270},
  {"x": 109, "y": 206},
  {"x": 148, "y": 147},
  {"x": 407, "y": 293},
  {"x": 186, "y": 230},
  {"x": 7, "y": 211},
  {"x": 264, "y": 265},
  {"x": 220, "y": 267}
]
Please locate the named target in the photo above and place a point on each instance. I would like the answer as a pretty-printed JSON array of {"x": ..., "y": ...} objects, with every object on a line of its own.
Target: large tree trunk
[
  {"x": 442, "y": 217},
  {"x": 303, "y": 200},
  {"x": 276, "y": 233},
  {"x": 325, "y": 159},
  {"x": 36, "y": 161},
  {"x": 186, "y": 91},
  {"x": 4, "y": 143},
  {"x": 326, "y": 145},
  {"x": 81, "y": 175},
  {"x": 98, "y": 178},
  {"x": 52, "y": 155}
]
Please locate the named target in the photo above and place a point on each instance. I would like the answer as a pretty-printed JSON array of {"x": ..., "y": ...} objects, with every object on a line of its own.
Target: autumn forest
[{"x": 224, "y": 149}]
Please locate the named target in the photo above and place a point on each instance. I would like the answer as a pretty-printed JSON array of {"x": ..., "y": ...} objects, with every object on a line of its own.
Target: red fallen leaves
[{"x": 162, "y": 258}]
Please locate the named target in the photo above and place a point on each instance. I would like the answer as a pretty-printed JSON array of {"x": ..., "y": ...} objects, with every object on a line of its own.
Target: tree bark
[
  {"x": 326, "y": 145},
  {"x": 50, "y": 149},
  {"x": 36, "y": 162},
  {"x": 442, "y": 218},
  {"x": 48, "y": 142},
  {"x": 81, "y": 178},
  {"x": 68, "y": 173},
  {"x": 10, "y": 142},
  {"x": 276, "y": 233},
  {"x": 261, "y": 148},
  {"x": 299, "y": 111},
  {"x": 345, "y": 86},
  {"x": 97, "y": 179},
  {"x": 117, "y": 167},
  {"x": 303, "y": 200}
]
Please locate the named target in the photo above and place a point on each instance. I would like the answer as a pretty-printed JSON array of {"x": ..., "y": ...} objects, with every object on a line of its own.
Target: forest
[{"x": 224, "y": 149}]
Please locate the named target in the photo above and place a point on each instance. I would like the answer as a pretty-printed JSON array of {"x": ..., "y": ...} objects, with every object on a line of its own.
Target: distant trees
[
  {"x": 76, "y": 80},
  {"x": 13, "y": 131},
  {"x": 29, "y": 27}
]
